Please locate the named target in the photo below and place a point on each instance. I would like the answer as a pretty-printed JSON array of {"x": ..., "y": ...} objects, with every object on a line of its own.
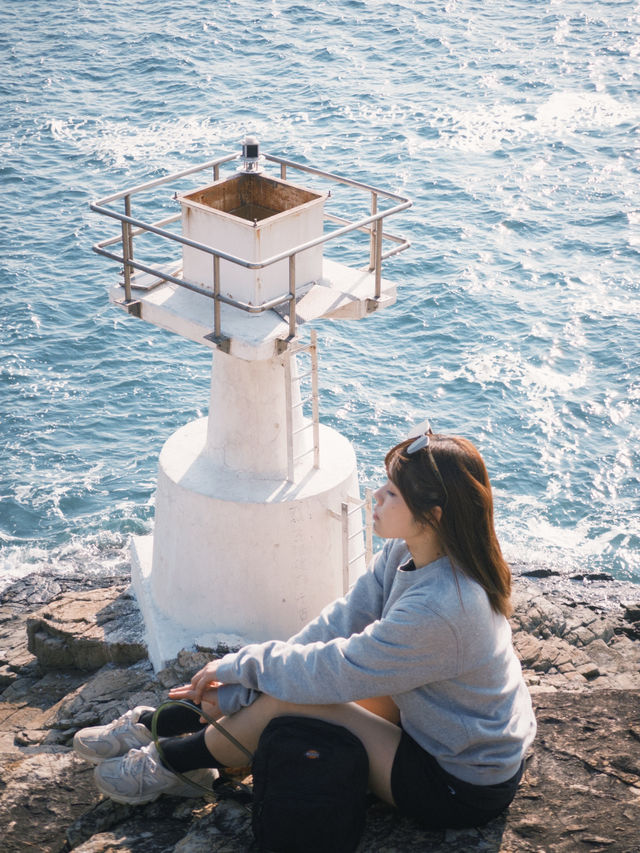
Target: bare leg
[
  {"x": 379, "y": 737},
  {"x": 381, "y": 706}
]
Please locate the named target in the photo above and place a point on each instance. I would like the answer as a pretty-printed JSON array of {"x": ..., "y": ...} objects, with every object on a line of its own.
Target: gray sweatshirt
[{"x": 429, "y": 639}]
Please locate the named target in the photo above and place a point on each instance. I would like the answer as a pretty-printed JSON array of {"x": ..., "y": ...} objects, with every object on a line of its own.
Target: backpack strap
[{"x": 243, "y": 795}]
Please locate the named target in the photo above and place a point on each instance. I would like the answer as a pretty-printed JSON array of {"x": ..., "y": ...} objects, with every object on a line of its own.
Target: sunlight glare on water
[{"x": 513, "y": 126}]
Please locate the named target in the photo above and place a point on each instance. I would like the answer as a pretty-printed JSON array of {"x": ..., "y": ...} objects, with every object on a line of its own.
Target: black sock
[
  {"x": 174, "y": 720},
  {"x": 187, "y": 753}
]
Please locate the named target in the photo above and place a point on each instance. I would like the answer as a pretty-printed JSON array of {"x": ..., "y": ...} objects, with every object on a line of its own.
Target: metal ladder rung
[
  {"x": 355, "y": 509},
  {"x": 306, "y": 453},
  {"x": 303, "y": 375},
  {"x": 350, "y": 512},
  {"x": 344, "y": 516},
  {"x": 311, "y": 398},
  {"x": 302, "y": 429}
]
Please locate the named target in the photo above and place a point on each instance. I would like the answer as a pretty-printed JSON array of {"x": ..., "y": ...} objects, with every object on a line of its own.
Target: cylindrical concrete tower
[{"x": 240, "y": 551}]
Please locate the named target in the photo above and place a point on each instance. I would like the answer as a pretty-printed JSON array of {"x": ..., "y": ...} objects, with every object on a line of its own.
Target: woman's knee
[{"x": 272, "y": 707}]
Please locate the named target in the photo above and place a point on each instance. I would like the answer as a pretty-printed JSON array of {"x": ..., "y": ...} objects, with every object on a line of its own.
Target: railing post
[
  {"x": 292, "y": 296},
  {"x": 216, "y": 293},
  {"x": 127, "y": 212},
  {"x": 289, "y": 415},
  {"x": 378, "y": 258},
  {"x": 344, "y": 513},
  {"x": 372, "y": 238},
  {"x": 126, "y": 246},
  {"x": 315, "y": 414},
  {"x": 368, "y": 526},
  {"x": 283, "y": 171}
]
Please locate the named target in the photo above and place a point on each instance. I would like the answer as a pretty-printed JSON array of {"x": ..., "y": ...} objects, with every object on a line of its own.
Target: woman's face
[{"x": 392, "y": 518}]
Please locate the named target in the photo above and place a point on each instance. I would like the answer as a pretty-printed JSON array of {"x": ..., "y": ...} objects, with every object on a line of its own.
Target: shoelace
[{"x": 131, "y": 766}]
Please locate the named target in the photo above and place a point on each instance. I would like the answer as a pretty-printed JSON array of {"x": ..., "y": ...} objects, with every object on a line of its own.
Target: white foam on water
[
  {"x": 488, "y": 127},
  {"x": 103, "y": 554},
  {"x": 517, "y": 318},
  {"x": 571, "y": 111}
]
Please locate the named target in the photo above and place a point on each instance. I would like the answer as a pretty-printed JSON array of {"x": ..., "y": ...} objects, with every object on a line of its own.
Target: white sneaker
[
  {"x": 98, "y": 743},
  {"x": 139, "y": 777}
]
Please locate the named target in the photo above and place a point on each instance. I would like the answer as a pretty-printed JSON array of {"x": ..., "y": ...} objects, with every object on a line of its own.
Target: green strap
[{"x": 197, "y": 710}]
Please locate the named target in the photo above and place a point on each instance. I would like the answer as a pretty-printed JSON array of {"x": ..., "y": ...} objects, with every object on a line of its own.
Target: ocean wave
[{"x": 513, "y": 129}]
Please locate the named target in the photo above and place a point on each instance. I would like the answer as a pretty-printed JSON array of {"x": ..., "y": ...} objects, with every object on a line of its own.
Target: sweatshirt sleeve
[
  {"x": 232, "y": 697},
  {"x": 410, "y": 647},
  {"x": 341, "y": 618}
]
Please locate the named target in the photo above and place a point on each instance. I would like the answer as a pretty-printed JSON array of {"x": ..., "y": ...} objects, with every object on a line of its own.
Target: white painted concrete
[
  {"x": 342, "y": 294},
  {"x": 252, "y": 242},
  {"x": 247, "y": 416},
  {"x": 238, "y": 554}
]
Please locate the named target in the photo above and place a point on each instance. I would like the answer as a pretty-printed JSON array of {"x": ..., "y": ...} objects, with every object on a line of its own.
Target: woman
[{"x": 416, "y": 660}]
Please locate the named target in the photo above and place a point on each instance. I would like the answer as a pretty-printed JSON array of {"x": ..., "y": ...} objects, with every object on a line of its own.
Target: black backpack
[
  {"x": 309, "y": 787},
  {"x": 310, "y": 782}
]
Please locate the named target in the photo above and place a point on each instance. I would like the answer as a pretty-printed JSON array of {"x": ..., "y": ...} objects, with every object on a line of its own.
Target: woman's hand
[
  {"x": 204, "y": 678},
  {"x": 202, "y": 683},
  {"x": 208, "y": 703}
]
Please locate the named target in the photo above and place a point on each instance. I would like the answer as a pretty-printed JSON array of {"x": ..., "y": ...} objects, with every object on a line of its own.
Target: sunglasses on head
[{"x": 423, "y": 442}]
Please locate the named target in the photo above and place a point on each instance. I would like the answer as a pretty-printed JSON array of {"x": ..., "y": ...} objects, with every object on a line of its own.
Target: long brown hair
[{"x": 466, "y": 526}]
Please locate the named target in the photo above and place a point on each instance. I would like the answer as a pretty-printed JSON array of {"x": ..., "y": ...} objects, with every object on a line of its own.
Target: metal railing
[
  {"x": 131, "y": 227},
  {"x": 348, "y": 509},
  {"x": 313, "y": 398}
]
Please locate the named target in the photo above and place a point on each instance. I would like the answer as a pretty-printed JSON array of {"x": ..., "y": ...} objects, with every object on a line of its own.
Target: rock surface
[{"x": 72, "y": 654}]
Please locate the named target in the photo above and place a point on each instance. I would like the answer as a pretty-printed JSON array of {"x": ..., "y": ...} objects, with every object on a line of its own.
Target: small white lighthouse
[{"x": 258, "y": 520}]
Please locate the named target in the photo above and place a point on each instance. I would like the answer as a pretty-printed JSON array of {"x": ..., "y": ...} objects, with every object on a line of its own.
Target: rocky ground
[{"x": 72, "y": 654}]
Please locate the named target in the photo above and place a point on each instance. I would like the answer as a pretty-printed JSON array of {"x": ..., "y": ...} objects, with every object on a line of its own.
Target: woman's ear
[{"x": 436, "y": 514}]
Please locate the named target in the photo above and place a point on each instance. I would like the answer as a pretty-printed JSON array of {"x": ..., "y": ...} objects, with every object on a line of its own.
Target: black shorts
[{"x": 424, "y": 791}]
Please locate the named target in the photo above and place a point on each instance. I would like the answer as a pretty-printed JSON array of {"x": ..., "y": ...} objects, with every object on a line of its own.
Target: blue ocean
[{"x": 514, "y": 127}]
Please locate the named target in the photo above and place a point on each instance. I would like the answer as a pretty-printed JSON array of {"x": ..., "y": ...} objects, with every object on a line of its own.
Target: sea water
[{"x": 514, "y": 126}]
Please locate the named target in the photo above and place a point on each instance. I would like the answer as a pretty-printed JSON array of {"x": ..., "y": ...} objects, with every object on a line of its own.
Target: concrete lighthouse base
[{"x": 237, "y": 557}]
